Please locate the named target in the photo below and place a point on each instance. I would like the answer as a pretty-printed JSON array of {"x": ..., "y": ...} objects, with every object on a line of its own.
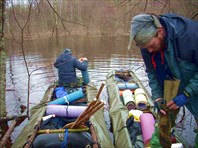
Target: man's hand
[
  {"x": 82, "y": 59},
  {"x": 177, "y": 102},
  {"x": 158, "y": 102}
]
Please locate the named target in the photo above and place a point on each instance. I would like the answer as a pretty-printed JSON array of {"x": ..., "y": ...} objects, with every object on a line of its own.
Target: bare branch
[
  {"x": 53, "y": 31},
  {"x": 13, "y": 12},
  {"x": 145, "y": 5},
  {"x": 130, "y": 10},
  {"x": 164, "y": 6},
  {"x": 65, "y": 27},
  {"x": 61, "y": 17},
  {"x": 194, "y": 16},
  {"x": 121, "y": 4}
]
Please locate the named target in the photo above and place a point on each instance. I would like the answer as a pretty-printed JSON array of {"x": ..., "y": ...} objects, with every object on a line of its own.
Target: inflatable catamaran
[
  {"x": 132, "y": 113},
  {"x": 74, "y": 120}
]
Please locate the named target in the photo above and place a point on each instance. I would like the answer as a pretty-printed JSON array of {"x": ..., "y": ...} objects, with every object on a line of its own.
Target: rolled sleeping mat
[
  {"x": 85, "y": 75},
  {"x": 69, "y": 98},
  {"x": 131, "y": 86},
  {"x": 140, "y": 99},
  {"x": 129, "y": 101},
  {"x": 121, "y": 92},
  {"x": 147, "y": 122},
  {"x": 65, "y": 111}
]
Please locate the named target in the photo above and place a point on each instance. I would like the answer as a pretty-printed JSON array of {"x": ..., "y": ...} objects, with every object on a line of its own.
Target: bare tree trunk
[
  {"x": 2, "y": 60},
  {"x": 3, "y": 125}
]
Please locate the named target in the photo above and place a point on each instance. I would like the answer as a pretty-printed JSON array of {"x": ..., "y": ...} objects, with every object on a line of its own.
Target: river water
[{"x": 103, "y": 53}]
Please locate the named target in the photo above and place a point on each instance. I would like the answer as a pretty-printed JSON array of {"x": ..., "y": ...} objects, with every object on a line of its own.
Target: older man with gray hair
[{"x": 169, "y": 47}]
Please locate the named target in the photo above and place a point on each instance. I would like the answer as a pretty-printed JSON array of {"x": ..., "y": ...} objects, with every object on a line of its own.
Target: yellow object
[
  {"x": 139, "y": 91},
  {"x": 136, "y": 114},
  {"x": 47, "y": 131},
  {"x": 140, "y": 99}
]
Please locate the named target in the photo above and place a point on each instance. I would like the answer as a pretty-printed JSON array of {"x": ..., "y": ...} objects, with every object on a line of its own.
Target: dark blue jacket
[
  {"x": 66, "y": 64},
  {"x": 181, "y": 57}
]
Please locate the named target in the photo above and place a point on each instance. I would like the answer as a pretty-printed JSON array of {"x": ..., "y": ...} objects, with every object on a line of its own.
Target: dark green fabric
[
  {"x": 184, "y": 71},
  {"x": 154, "y": 84},
  {"x": 155, "y": 143},
  {"x": 196, "y": 141}
]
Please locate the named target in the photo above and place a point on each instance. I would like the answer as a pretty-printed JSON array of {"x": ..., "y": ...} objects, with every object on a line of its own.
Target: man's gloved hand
[
  {"x": 83, "y": 59},
  {"x": 177, "y": 102},
  {"x": 180, "y": 100},
  {"x": 158, "y": 102}
]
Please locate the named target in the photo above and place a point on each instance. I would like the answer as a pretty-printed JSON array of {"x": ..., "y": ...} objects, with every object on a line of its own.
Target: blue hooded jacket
[
  {"x": 66, "y": 64},
  {"x": 181, "y": 58}
]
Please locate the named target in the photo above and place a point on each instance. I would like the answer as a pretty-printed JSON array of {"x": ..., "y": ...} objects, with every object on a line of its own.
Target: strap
[
  {"x": 66, "y": 110},
  {"x": 125, "y": 85},
  {"x": 64, "y": 143},
  {"x": 66, "y": 100}
]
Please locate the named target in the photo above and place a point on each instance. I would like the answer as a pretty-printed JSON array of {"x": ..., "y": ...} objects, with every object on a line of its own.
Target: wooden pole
[
  {"x": 93, "y": 135},
  {"x": 48, "y": 131},
  {"x": 88, "y": 115},
  {"x": 100, "y": 90},
  {"x": 94, "y": 106},
  {"x": 83, "y": 113}
]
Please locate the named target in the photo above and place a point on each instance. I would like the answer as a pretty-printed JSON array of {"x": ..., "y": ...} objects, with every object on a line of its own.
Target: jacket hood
[{"x": 169, "y": 24}]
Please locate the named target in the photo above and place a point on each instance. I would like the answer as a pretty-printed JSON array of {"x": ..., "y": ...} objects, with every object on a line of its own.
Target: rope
[
  {"x": 66, "y": 110},
  {"x": 64, "y": 143},
  {"x": 66, "y": 100}
]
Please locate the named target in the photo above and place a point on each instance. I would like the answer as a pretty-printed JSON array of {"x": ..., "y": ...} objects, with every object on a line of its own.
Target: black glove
[{"x": 159, "y": 103}]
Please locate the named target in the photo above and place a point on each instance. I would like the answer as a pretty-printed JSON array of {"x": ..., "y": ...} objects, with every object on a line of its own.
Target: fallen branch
[
  {"x": 8, "y": 118},
  {"x": 8, "y": 133}
]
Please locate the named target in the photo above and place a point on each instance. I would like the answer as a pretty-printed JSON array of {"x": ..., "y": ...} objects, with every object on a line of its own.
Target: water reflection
[{"x": 104, "y": 53}]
